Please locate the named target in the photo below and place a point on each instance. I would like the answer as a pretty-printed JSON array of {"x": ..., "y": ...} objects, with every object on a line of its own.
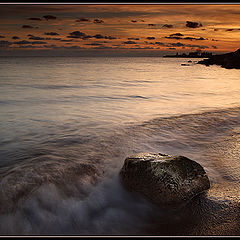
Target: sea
[{"x": 68, "y": 123}]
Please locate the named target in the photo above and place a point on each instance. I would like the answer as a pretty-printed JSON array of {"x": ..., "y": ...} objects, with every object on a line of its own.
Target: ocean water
[{"x": 68, "y": 123}]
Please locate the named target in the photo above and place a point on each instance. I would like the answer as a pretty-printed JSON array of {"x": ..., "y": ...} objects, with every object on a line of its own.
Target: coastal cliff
[{"x": 227, "y": 60}]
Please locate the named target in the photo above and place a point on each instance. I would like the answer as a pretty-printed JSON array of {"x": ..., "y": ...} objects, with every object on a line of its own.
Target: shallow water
[{"x": 67, "y": 124}]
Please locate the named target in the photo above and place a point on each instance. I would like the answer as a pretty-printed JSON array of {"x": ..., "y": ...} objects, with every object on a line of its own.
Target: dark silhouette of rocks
[
  {"x": 227, "y": 60},
  {"x": 167, "y": 181}
]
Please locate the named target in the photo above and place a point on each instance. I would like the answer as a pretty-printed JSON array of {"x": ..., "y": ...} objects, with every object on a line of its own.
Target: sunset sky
[{"x": 118, "y": 29}]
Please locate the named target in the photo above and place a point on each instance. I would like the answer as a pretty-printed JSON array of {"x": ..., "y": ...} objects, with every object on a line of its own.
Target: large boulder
[{"x": 163, "y": 179}]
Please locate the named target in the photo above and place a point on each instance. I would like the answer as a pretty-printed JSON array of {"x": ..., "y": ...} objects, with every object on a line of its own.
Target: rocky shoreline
[
  {"x": 163, "y": 179},
  {"x": 228, "y": 60}
]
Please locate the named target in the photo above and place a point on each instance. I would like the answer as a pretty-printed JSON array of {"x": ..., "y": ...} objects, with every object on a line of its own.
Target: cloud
[
  {"x": 178, "y": 44},
  {"x": 172, "y": 48},
  {"x": 76, "y": 34},
  {"x": 93, "y": 44},
  {"x": 35, "y": 19},
  {"x": 2, "y": 36},
  {"x": 29, "y": 46},
  {"x": 193, "y": 24},
  {"x": 38, "y": 42},
  {"x": 15, "y": 37},
  {"x": 176, "y": 34},
  {"x": 66, "y": 40},
  {"x": 150, "y": 38},
  {"x": 49, "y": 17},
  {"x": 27, "y": 26},
  {"x": 133, "y": 21},
  {"x": 98, "y": 21},
  {"x": 32, "y": 37},
  {"x": 213, "y": 46},
  {"x": 81, "y": 35},
  {"x": 160, "y": 43},
  {"x": 83, "y": 20},
  {"x": 51, "y": 33},
  {"x": 229, "y": 30},
  {"x": 131, "y": 38},
  {"x": 151, "y": 25},
  {"x": 24, "y": 42},
  {"x": 173, "y": 37},
  {"x": 98, "y": 36},
  {"x": 49, "y": 38},
  {"x": 167, "y": 26},
  {"x": 129, "y": 42}
]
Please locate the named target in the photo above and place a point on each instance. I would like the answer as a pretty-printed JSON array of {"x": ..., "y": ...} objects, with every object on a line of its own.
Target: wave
[{"x": 73, "y": 182}]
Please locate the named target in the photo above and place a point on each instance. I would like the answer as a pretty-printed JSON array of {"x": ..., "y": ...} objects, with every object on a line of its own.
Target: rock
[
  {"x": 163, "y": 179},
  {"x": 227, "y": 60}
]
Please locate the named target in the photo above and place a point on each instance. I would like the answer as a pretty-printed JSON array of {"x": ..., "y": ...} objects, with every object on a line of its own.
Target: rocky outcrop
[
  {"x": 228, "y": 60},
  {"x": 163, "y": 179}
]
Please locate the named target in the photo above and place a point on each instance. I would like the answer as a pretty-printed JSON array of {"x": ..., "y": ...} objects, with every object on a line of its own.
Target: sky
[{"x": 118, "y": 29}]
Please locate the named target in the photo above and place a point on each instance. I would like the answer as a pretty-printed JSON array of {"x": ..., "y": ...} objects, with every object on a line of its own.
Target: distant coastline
[{"x": 196, "y": 54}]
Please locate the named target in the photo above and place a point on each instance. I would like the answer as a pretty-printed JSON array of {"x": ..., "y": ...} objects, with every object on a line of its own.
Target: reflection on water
[{"x": 68, "y": 124}]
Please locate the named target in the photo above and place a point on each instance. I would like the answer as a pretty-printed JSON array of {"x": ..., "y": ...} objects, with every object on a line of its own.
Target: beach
[{"x": 68, "y": 123}]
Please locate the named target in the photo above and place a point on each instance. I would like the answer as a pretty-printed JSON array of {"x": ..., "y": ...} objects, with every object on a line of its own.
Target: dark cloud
[
  {"x": 2, "y": 36},
  {"x": 24, "y": 42},
  {"x": 173, "y": 37},
  {"x": 35, "y": 19},
  {"x": 229, "y": 30},
  {"x": 216, "y": 29},
  {"x": 129, "y": 42},
  {"x": 81, "y": 35},
  {"x": 172, "y": 48},
  {"x": 196, "y": 46},
  {"x": 178, "y": 44},
  {"x": 193, "y": 38},
  {"x": 151, "y": 25},
  {"x": 83, "y": 20},
  {"x": 87, "y": 37},
  {"x": 93, "y": 44},
  {"x": 98, "y": 36},
  {"x": 110, "y": 37},
  {"x": 167, "y": 26},
  {"x": 57, "y": 39},
  {"x": 131, "y": 38},
  {"x": 27, "y": 26},
  {"x": 160, "y": 43},
  {"x": 66, "y": 40},
  {"x": 29, "y": 46},
  {"x": 50, "y": 46},
  {"x": 176, "y": 34},
  {"x": 98, "y": 21},
  {"x": 32, "y": 37},
  {"x": 177, "y": 37},
  {"x": 49, "y": 17},
  {"x": 150, "y": 38},
  {"x": 51, "y": 33},
  {"x": 38, "y": 42},
  {"x": 76, "y": 34},
  {"x": 15, "y": 37},
  {"x": 213, "y": 46},
  {"x": 193, "y": 24},
  {"x": 133, "y": 21}
]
